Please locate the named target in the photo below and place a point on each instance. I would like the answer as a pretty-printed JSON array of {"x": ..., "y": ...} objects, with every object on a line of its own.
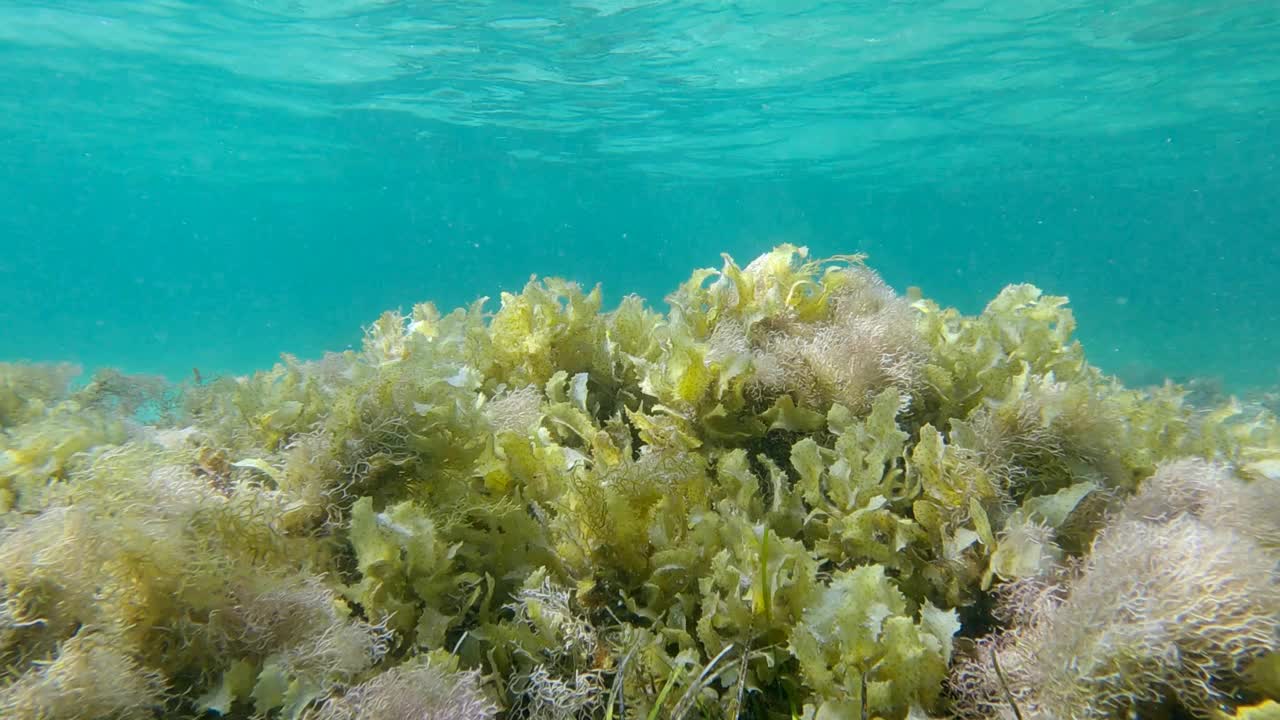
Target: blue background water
[{"x": 207, "y": 184}]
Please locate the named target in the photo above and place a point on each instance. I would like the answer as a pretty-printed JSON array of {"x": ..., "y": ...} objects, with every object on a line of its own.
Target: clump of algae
[{"x": 795, "y": 494}]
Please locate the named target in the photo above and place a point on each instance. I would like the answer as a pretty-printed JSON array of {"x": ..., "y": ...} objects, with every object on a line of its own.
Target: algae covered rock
[{"x": 794, "y": 493}]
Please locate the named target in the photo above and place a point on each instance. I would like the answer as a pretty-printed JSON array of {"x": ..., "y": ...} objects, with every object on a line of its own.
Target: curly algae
[{"x": 794, "y": 494}]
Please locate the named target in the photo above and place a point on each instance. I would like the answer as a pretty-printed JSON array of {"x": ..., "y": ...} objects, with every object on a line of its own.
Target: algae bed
[{"x": 795, "y": 493}]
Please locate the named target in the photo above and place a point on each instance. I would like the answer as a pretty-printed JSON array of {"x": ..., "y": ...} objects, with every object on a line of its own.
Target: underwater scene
[{"x": 639, "y": 360}]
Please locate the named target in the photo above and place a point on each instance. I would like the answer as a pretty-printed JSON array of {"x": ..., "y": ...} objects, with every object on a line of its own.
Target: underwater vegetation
[{"x": 794, "y": 494}]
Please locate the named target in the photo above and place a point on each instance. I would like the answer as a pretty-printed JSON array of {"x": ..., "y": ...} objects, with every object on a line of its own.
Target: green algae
[{"x": 794, "y": 494}]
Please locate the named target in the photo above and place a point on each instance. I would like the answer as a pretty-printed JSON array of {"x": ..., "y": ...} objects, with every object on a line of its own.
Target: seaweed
[{"x": 794, "y": 494}]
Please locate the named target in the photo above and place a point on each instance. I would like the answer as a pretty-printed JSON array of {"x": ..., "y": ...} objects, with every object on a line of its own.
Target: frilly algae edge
[{"x": 796, "y": 494}]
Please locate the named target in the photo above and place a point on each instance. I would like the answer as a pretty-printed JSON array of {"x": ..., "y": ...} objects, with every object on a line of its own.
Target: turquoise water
[{"x": 209, "y": 184}]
